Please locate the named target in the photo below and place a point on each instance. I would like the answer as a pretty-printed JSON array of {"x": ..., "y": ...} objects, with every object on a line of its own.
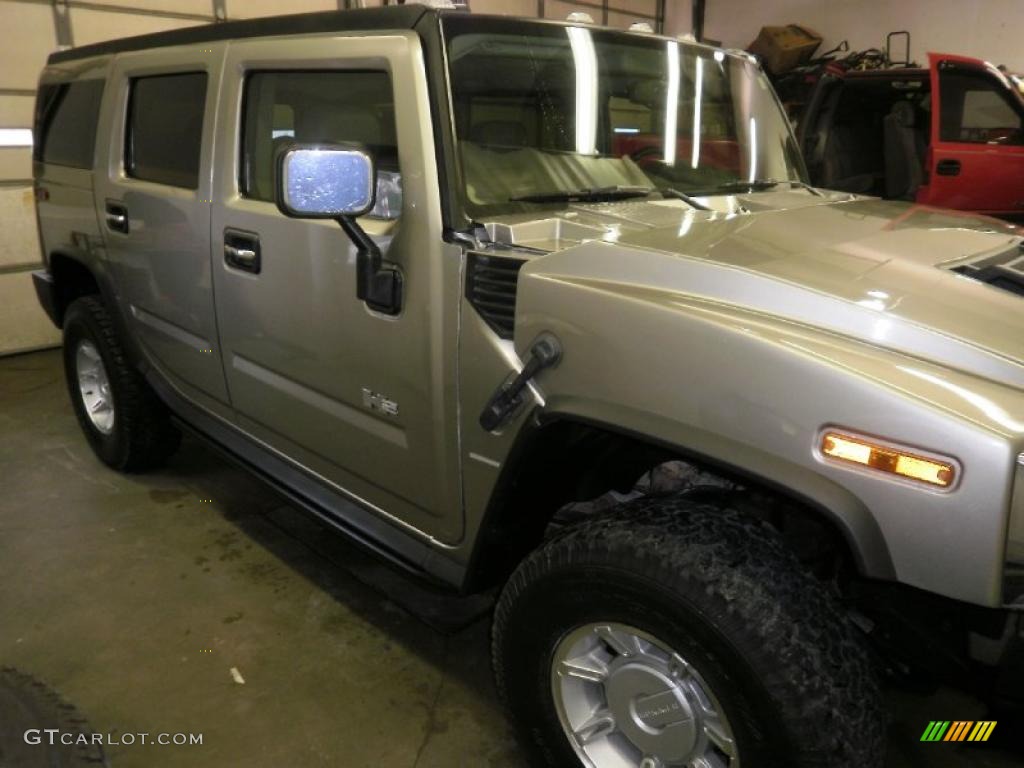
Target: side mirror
[
  {"x": 325, "y": 182},
  {"x": 339, "y": 181}
]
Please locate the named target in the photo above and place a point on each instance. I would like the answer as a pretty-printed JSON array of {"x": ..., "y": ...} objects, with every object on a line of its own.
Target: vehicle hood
[{"x": 881, "y": 272}]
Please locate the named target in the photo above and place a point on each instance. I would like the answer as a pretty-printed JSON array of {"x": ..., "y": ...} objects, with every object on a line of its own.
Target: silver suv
[{"x": 550, "y": 308}]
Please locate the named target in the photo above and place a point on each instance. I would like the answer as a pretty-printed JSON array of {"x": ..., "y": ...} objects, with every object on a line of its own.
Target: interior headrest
[{"x": 904, "y": 113}]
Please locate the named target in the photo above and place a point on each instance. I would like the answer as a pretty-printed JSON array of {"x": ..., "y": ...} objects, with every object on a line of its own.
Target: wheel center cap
[{"x": 652, "y": 711}]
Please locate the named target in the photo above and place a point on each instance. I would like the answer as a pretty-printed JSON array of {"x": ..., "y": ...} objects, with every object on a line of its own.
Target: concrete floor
[{"x": 135, "y": 596}]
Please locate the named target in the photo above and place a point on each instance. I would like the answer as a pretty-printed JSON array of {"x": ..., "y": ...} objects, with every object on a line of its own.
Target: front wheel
[{"x": 671, "y": 633}]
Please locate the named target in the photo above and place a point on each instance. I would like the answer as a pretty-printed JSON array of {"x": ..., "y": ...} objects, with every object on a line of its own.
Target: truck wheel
[
  {"x": 674, "y": 633},
  {"x": 126, "y": 424},
  {"x": 28, "y": 709}
]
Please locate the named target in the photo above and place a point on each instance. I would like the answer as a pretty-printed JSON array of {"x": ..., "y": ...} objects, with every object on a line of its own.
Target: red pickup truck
[{"x": 951, "y": 135}]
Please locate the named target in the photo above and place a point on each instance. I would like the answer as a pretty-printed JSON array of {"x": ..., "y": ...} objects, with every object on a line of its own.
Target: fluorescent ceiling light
[
  {"x": 15, "y": 137},
  {"x": 585, "y": 58},
  {"x": 672, "y": 103}
]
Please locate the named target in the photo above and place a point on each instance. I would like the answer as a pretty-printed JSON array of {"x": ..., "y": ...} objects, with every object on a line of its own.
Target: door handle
[
  {"x": 242, "y": 250},
  {"x": 948, "y": 168},
  {"x": 244, "y": 255},
  {"x": 117, "y": 217}
]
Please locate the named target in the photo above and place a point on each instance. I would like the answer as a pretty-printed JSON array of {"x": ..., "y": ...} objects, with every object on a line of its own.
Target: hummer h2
[{"x": 551, "y": 309}]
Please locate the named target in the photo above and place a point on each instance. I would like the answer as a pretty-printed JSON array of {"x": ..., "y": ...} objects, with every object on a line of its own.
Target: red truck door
[{"x": 976, "y": 155}]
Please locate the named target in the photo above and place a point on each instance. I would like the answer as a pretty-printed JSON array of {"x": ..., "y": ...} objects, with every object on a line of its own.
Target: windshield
[{"x": 543, "y": 111}]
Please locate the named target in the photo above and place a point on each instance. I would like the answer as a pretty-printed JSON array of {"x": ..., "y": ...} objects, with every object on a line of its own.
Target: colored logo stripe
[
  {"x": 958, "y": 730},
  {"x": 982, "y": 731},
  {"x": 935, "y": 731}
]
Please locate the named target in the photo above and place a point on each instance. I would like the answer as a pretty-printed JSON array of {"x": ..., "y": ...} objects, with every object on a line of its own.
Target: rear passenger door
[
  {"x": 362, "y": 401},
  {"x": 153, "y": 201}
]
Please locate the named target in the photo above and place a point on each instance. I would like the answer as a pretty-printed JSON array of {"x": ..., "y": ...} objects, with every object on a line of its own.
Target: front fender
[{"x": 754, "y": 392}]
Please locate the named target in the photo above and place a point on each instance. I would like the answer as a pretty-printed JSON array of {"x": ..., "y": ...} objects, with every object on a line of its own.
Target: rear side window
[
  {"x": 320, "y": 107},
  {"x": 976, "y": 109},
  {"x": 165, "y": 128},
  {"x": 65, "y": 124}
]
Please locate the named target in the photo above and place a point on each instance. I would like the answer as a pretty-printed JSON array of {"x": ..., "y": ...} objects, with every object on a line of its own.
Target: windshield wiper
[
  {"x": 756, "y": 185},
  {"x": 690, "y": 200},
  {"x": 584, "y": 195}
]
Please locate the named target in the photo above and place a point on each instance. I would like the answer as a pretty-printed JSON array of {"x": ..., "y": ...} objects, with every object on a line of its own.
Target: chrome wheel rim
[
  {"x": 94, "y": 387},
  {"x": 627, "y": 700}
]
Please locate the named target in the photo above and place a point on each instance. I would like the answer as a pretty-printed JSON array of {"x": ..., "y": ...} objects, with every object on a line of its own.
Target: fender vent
[{"x": 491, "y": 283}]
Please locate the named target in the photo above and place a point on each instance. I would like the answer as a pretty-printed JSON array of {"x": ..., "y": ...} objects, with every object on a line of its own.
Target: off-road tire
[
  {"x": 143, "y": 436},
  {"x": 788, "y": 668},
  {"x": 28, "y": 705}
]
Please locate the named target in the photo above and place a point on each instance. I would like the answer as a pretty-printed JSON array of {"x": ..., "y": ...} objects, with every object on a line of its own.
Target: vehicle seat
[
  {"x": 362, "y": 125},
  {"x": 501, "y": 133},
  {"x": 842, "y": 160},
  {"x": 904, "y": 152}
]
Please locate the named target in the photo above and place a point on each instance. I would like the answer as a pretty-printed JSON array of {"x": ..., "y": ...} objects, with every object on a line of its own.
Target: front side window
[
  {"x": 328, "y": 107},
  {"x": 977, "y": 109},
  {"x": 550, "y": 109},
  {"x": 165, "y": 128},
  {"x": 65, "y": 125}
]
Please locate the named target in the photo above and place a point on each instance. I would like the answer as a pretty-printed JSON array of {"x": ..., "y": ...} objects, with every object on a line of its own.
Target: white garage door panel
[
  {"x": 16, "y": 111},
  {"x": 198, "y": 7},
  {"x": 20, "y": 241},
  {"x": 555, "y": 9},
  {"x": 28, "y": 38},
  {"x": 244, "y": 9},
  {"x": 646, "y": 7},
  {"x": 15, "y": 163},
  {"x": 23, "y": 323},
  {"x": 623, "y": 20},
  {"x": 91, "y": 26},
  {"x": 506, "y": 7}
]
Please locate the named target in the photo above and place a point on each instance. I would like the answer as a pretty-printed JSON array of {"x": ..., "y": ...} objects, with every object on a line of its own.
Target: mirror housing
[{"x": 339, "y": 181}]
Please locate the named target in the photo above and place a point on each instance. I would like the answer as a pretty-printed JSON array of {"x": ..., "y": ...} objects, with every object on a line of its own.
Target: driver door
[
  {"x": 977, "y": 126},
  {"x": 360, "y": 401}
]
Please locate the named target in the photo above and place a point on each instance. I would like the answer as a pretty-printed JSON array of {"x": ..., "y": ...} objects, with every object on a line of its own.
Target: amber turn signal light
[{"x": 884, "y": 458}]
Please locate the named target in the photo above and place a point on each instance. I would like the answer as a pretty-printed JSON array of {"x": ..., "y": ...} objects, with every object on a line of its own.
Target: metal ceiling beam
[{"x": 698, "y": 19}]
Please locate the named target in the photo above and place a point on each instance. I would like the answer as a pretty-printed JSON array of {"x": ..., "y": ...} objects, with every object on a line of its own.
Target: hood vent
[
  {"x": 491, "y": 283},
  {"x": 1005, "y": 270}
]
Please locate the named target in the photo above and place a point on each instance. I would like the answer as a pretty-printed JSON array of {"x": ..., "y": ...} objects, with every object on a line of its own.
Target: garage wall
[
  {"x": 987, "y": 29},
  {"x": 31, "y": 30}
]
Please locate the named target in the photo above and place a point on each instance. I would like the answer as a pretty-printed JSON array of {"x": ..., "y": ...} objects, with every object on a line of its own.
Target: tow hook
[{"x": 545, "y": 353}]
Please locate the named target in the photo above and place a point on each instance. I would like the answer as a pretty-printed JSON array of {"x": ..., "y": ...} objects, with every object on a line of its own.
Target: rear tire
[
  {"x": 125, "y": 423},
  {"x": 767, "y": 643}
]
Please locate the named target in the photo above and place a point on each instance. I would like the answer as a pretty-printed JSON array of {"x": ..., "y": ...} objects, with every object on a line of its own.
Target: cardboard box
[{"x": 783, "y": 48}]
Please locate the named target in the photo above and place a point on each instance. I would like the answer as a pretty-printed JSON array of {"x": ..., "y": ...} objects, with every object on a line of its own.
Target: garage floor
[{"x": 136, "y": 597}]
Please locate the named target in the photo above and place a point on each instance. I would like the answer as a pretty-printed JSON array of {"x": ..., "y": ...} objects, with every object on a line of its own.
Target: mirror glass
[{"x": 325, "y": 182}]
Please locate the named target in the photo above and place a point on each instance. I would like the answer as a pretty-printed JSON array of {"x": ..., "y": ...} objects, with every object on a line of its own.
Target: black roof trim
[{"x": 389, "y": 17}]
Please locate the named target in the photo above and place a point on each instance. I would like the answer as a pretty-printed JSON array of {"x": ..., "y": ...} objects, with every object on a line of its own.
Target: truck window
[
  {"x": 165, "y": 128},
  {"x": 65, "y": 124},
  {"x": 319, "y": 107},
  {"x": 564, "y": 108},
  {"x": 976, "y": 109}
]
